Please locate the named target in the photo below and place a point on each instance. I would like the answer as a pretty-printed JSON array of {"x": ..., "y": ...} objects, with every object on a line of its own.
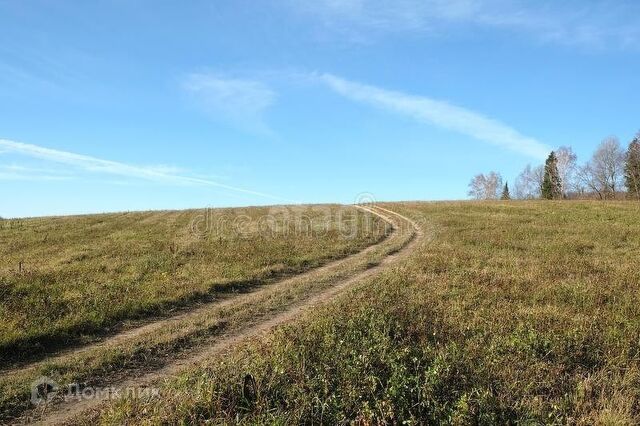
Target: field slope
[
  {"x": 70, "y": 279},
  {"x": 506, "y": 312},
  {"x": 164, "y": 346}
]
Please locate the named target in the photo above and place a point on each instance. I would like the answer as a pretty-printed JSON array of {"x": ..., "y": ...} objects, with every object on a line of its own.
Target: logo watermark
[
  {"x": 45, "y": 390},
  {"x": 285, "y": 221}
]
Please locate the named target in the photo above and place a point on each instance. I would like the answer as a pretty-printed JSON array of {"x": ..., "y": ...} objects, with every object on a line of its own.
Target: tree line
[{"x": 610, "y": 173}]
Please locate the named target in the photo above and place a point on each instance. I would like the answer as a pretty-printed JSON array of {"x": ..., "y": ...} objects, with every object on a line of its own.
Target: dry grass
[
  {"x": 66, "y": 280},
  {"x": 101, "y": 365},
  {"x": 514, "y": 312}
]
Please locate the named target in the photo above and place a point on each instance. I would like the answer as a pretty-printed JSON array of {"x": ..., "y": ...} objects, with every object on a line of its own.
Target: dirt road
[{"x": 64, "y": 411}]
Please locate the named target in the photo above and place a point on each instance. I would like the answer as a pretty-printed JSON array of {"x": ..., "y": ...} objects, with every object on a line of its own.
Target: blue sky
[{"x": 135, "y": 105}]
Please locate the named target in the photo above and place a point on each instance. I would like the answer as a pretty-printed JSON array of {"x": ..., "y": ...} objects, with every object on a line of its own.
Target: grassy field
[
  {"x": 171, "y": 341},
  {"x": 68, "y": 279},
  {"x": 512, "y": 312}
]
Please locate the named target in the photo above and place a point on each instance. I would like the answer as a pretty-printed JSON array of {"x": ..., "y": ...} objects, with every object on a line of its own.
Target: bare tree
[
  {"x": 529, "y": 182},
  {"x": 567, "y": 168},
  {"x": 603, "y": 173},
  {"x": 587, "y": 180},
  {"x": 485, "y": 187}
]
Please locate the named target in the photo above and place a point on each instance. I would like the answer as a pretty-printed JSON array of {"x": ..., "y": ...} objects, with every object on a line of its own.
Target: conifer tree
[
  {"x": 632, "y": 169},
  {"x": 505, "y": 192},
  {"x": 551, "y": 184}
]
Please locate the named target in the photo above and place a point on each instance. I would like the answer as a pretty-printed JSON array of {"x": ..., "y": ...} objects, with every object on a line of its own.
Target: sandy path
[
  {"x": 67, "y": 410},
  {"x": 152, "y": 325}
]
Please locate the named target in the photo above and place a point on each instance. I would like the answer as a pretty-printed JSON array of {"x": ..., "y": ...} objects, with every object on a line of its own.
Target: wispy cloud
[
  {"x": 593, "y": 24},
  {"x": 240, "y": 101},
  {"x": 35, "y": 62},
  {"x": 20, "y": 173},
  {"x": 97, "y": 165},
  {"x": 439, "y": 113}
]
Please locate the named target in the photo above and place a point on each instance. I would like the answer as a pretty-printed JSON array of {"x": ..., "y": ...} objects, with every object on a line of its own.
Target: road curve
[{"x": 65, "y": 412}]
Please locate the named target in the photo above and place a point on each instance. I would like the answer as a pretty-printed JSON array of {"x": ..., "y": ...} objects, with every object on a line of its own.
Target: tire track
[{"x": 67, "y": 410}]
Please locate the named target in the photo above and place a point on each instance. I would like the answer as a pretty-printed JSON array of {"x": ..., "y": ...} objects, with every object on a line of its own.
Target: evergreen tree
[
  {"x": 632, "y": 169},
  {"x": 551, "y": 184},
  {"x": 505, "y": 192}
]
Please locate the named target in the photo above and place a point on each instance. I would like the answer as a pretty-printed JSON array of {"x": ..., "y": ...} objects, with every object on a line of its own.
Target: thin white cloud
[
  {"x": 97, "y": 165},
  {"x": 17, "y": 168},
  {"x": 593, "y": 24},
  {"x": 31, "y": 177},
  {"x": 18, "y": 172},
  {"x": 242, "y": 102},
  {"x": 439, "y": 113}
]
